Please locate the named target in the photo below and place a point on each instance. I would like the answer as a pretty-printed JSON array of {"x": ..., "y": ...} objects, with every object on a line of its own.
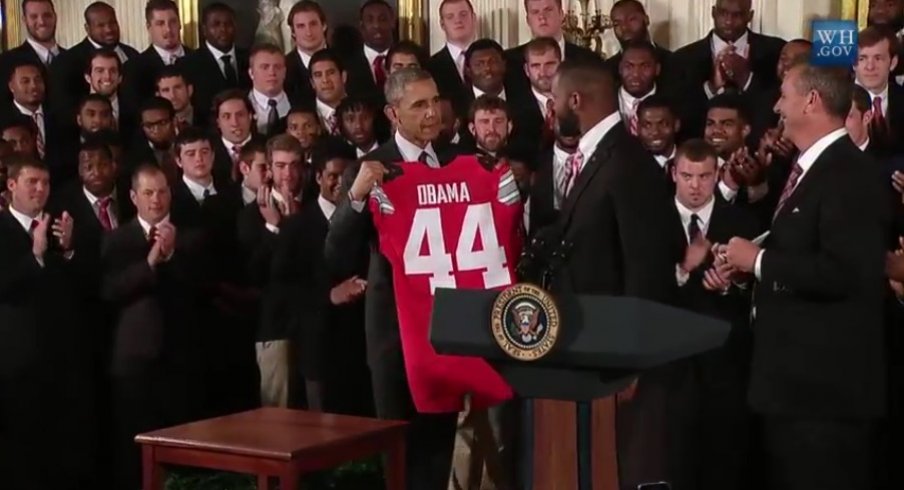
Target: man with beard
[
  {"x": 357, "y": 118},
  {"x": 218, "y": 64},
  {"x": 154, "y": 143},
  {"x": 173, "y": 86},
  {"x": 102, "y": 32},
  {"x": 639, "y": 70},
  {"x": 614, "y": 188},
  {"x": 533, "y": 109},
  {"x": 632, "y": 24},
  {"x": 658, "y": 126},
  {"x": 27, "y": 84},
  {"x": 548, "y": 189},
  {"x": 485, "y": 66},
  {"x": 367, "y": 68},
  {"x": 40, "y": 47},
  {"x": 889, "y": 14},
  {"x": 727, "y": 127},
  {"x": 94, "y": 115},
  {"x": 490, "y": 126}
]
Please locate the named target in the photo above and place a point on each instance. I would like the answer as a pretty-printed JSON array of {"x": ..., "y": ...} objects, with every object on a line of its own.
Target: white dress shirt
[
  {"x": 31, "y": 115},
  {"x": 704, "y": 215},
  {"x": 218, "y": 55},
  {"x": 864, "y": 145},
  {"x": 662, "y": 159},
  {"x": 627, "y": 103},
  {"x": 197, "y": 190},
  {"x": 592, "y": 138},
  {"x": 146, "y": 227},
  {"x": 559, "y": 164},
  {"x": 23, "y": 220},
  {"x": 248, "y": 195},
  {"x": 261, "y": 105},
  {"x": 306, "y": 58},
  {"x": 360, "y": 153},
  {"x": 371, "y": 55},
  {"x": 111, "y": 210},
  {"x": 326, "y": 113},
  {"x": 169, "y": 57},
  {"x": 458, "y": 57},
  {"x": 411, "y": 152},
  {"x": 120, "y": 53},
  {"x": 541, "y": 101},
  {"x": 327, "y": 207},
  {"x": 114, "y": 104},
  {"x": 806, "y": 160},
  {"x": 742, "y": 48},
  {"x": 883, "y": 94},
  {"x": 231, "y": 147},
  {"x": 478, "y": 93},
  {"x": 43, "y": 53}
]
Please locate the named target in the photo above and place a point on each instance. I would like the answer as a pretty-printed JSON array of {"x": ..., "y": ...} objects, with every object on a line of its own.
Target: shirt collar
[
  {"x": 197, "y": 190},
  {"x": 327, "y": 207},
  {"x": 872, "y": 96},
  {"x": 92, "y": 198},
  {"x": 146, "y": 227},
  {"x": 864, "y": 145},
  {"x": 592, "y": 138},
  {"x": 411, "y": 152},
  {"x": 811, "y": 154},
  {"x": 264, "y": 101},
  {"x": 629, "y": 100},
  {"x": 371, "y": 54},
  {"x": 23, "y": 220},
  {"x": 166, "y": 55},
  {"x": 560, "y": 154},
  {"x": 742, "y": 47},
  {"x": 217, "y": 54},
  {"x": 704, "y": 213},
  {"x": 228, "y": 144},
  {"x": 561, "y": 42},
  {"x": 541, "y": 99},
  {"x": 478, "y": 93},
  {"x": 455, "y": 51},
  {"x": 306, "y": 58},
  {"x": 28, "y": 112},
  {"x": 361, "y": 152},
  {"x": 41, "y": 50},
  {"x": 325, "y": 110},
  {"x": 662, "y": 159},
  {"x": 248, "y": 195},
  {"x": 279, "y": 197}
]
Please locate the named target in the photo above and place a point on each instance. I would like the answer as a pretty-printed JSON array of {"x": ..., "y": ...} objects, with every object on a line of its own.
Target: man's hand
[
  {"x": 695, "y": 254},
  {"x": 718, "y": 278},
  {"x": 749, "y": 171},
  {"x": 370, "y": 174},
  {"x": 39, "y": 236},
  {"x": 741, "y": 254},
  {"x": 268, "y": 207},
  {"x": 736, "y": 68},
  {"x": 155, "y": 257},
  {"x": 348, "y": 291},
  {"x": 166, "y": 237},
  {"x": 62, "y": 230},
  {"x": 717, "y": 80}
]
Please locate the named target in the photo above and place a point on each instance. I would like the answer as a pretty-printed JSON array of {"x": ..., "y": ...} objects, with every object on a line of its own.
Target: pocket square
[{"x": 795, "y": 210}]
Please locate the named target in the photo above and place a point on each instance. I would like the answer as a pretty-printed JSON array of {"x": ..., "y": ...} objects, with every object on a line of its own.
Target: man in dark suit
[
  {"x": 889, "y": 15},
  {"x": 309, "y": 25},
  {"x": 730, "y": 57},
  {"x": 545, "y": 19},
  {"x": 876, "y": 58},
  {"x": 485, "y": 66},
  {"x": 794, "y": 51},
  {"x": 459, "y": 24},
  {"x": 658, "y": 126},
  {"x": 103, "y": 72},
  {"x": 165, "y": 31},
  {"x": 859, "y": 120},
  {"x": 268, "y": 96},
  {"x": 711, "y": 434},
  {"x": 366, "y": 68},
  {"x": 154, "y": 143},
  {"x": 532, "y": 111},
  {"x": 329, "y": 78},
  {"x": 40, "y": 46},
  {"x": 640, "y": 77},
  {"x": 413, "y": 107},
  {"x": 173, "y": 85},
  {"x": 102, "y": 32},
  {"x": 358, "y": 125},
  {"x": 632, "y": 24},
  {"x": 818, "y": 371},
  {"x": 549, "y": 180},
  {"x": 218, "y": 64},
  {"x": 234, "y": 117},
  {"x": 21, "y": 134},
  {"x": 94, "y": 115},
  {"x": 615, "y": 188}
]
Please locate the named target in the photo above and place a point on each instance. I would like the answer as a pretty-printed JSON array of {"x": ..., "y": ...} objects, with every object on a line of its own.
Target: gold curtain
[
  {"x": 855, "y": 10},
  {"x": 412, "y": 22}
]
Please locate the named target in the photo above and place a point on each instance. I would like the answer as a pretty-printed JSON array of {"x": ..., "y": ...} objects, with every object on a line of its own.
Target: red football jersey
[{"x": 452, "y": 227}]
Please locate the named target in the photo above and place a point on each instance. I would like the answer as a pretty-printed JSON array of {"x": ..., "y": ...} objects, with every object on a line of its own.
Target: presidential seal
[{"x": 525, "y": 322}]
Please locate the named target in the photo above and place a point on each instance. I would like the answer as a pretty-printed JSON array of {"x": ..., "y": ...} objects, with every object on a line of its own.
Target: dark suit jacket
[
  {"x": 68, "y": 72},
  {"x": 528, "y": 123},
  {"x": 445, "y": 73},
  {"x": 361, "y": 79},
  {"x": 13, "y": 56},
  {"x": 256, "y": 245},
  {"x": 514, "y": 60},
  {"x": 139, "y": 74},
  {"x": 54, "y": 142},
  {"x": 694, "y": 65},
  {"x": 818, "y": 332},
  {"x": 663, "y": 55},
  {"x": 542, "y": 208},
  {"x": 612, "y": 217},
  {"x": 888, "y": 143},
  {"x": 206, "y": 76},
  {"x": 298, "y": 79},
  {"x": 351, "y": 240}
]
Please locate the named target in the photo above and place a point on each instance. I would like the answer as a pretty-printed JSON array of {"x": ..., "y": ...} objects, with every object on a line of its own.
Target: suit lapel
[
  {"x": 807, "y": 181},
  {"x": 591, "y": 167},
  {"x": 16, "y": 230}
]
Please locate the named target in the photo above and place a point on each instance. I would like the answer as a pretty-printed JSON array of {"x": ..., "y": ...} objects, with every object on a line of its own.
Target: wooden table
[{"x": 274, "y": 442}]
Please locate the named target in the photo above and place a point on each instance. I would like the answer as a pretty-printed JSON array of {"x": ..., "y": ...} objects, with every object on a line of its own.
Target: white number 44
[{"x": 437, "y": 262}]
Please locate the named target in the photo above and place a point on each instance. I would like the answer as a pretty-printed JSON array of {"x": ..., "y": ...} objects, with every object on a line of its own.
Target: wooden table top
[{"x": 272, "y": 433}]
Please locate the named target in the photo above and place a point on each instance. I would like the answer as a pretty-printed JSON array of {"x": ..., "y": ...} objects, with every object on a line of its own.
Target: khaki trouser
[
  {"x": 273, "y": 361},
  {"x": 477, "y": 461}
]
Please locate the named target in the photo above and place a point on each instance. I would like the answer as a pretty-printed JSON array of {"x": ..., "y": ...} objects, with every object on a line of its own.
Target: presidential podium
[{"x": 603, "y": 343}]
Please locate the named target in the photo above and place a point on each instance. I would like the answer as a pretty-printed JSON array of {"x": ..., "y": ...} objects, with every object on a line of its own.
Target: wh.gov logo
[{"x": 834, "y": 43}]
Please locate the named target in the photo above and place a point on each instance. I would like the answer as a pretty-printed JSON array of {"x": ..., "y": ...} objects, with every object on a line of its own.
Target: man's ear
[
  {"x": 746, "y": 131},
  {"x": 472, "y": 129}
]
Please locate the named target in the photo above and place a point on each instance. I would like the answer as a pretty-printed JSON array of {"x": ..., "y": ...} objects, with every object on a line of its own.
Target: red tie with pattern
[
  {"x": 103, "y": 213},
  {"x": 633, "y": 122},
  {"x": 790, "y": 185},
  {"x": 379, "y": 71},
  {"x": 39, "y": 138}
]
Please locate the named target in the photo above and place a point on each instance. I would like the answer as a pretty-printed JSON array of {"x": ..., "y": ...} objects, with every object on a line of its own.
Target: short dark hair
[
  {"x": 213, "y": 8},
  {"x": 158, "y": 5},
  {"x": 590, "y": 78},
  {"x": 92, "y": 144},
  {"x": 309, "y": 109},
  {"x": 326, "y": 55},
  {"x": 225, "y": 96},
  {"x": 540, "y": 45},
  {"x": 656, "y": 101},
  {"x": 696, "y": 150},
  {"x": 833, "y": 84},
  {"x": 370, "y": 3},
  {"x": 628, "y": 3},
  {"x": 22, "y": 62},
  {"x": 268, "y": 48},
  {"x": 327, "y": 150},
  {"x": 170, "y": 71},
  {"x": 253, "y": 147},
  {"x": 26, "y": 2},
  {"x": 640, "y": 45},
  {"x": 105, "y": 53},
  {"x": 410, "y": 48},
  {"x": 106, "y": 137},
  {"x": 146, "y": 168},
  {"x": 19, "y": 121},
  {"x": 803, "y": 41},
  {"x": 157, "y": 104},
  {"x": 191, "y": 135},
  {"x": 94, "y": 98},
  {"x": 860, "y": 99},
  {"x": 96, "y": 7},
  {"x": 731, "y": 101},
  {"x": 489, "y": 103},
  {"x": 354, "y": 104},
  {"x": 483, "y": 45},
  {"x": 874, "y": 35},
  {"x": 16, "y": 162},
  {"x": 305, "y": 6}
]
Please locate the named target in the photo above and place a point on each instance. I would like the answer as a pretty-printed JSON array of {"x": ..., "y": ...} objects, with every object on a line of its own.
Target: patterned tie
[
  {"x": 103, "y": 213},
  {"x": 574, "y": 163},
  {"x": 424, "y": 158},
  {"x": 790, "y": 185},
  {"x": 229, "y": 71},
  {"x": 333, "y": 123},
  {"x": 460, "y": 65},
  {"x": 39, "y": 136},
  {"x": 272, "y": 116},
  {"x": 380, "y": 71},
  {"x": 633, "y": 121}
]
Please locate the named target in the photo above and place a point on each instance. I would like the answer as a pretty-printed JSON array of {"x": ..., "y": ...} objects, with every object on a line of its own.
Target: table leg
[
  {"x": 263, "y": 482},
  {"x": 289, "y": 479},
  {"x": 152, "y": 473},
  {"x": 395, "y": 464}
]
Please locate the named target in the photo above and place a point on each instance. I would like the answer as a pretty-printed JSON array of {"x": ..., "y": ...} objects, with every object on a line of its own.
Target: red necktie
[
  {"x": 633, "y": 122},
  {"x": 39, "y": 138},
  {"x": 379, "y": 71},
  {"x": 879, "y": 123},
  {"x": 152, "y": 234},
  {"x": 32, "y": 227},
  {"x": 790, "y": 185},
  {"x": 103, "y": 214},
  {"x": 333, "y": 123},
  {"x": 575, "y": 161}
]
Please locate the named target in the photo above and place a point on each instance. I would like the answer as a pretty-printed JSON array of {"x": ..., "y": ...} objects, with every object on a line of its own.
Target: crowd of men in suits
[{"x": 182, "y": 234}]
